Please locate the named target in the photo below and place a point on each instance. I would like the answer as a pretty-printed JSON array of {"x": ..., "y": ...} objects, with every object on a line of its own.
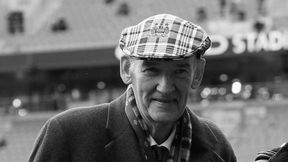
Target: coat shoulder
[
  {"x": 77, "y": 121},
  {"x": 222, "y": 147},
  {"x": 82, "y": 114},
  {"x": 213, "y": 128}
]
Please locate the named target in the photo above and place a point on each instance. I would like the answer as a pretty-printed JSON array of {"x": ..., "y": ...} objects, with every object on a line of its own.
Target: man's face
[{"x": 161, "y": 88}]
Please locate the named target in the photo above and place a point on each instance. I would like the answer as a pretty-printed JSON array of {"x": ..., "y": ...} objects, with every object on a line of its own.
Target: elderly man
[{"x": 150, "y": 121}]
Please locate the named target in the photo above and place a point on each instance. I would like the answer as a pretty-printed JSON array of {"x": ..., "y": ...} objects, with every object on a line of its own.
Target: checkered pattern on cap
[{"x": 164, "y": 36}]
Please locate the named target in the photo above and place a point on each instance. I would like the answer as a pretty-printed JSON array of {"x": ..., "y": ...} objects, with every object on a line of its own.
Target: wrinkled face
[{"x": 161, "y": 88}]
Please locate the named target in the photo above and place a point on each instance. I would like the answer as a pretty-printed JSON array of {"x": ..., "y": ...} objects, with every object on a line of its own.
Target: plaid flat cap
[{"x": 164, "y": 36}]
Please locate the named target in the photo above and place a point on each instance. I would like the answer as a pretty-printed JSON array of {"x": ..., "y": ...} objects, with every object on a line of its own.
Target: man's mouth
[{"x": 164, "y": 100}]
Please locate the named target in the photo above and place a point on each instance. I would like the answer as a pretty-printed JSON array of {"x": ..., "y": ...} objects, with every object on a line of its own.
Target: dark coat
[
  {"x": 279, "y": 154},
  {"x": 103, "y": 134}
]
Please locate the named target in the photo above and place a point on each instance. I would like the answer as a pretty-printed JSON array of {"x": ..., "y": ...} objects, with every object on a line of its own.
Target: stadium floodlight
[
  {"x": 22, "y": 112},
  {"x": 223, "y": 77},
  {"x": 236, "y": 87},
  {"x": 17, "y": 103},
  {"x": 101, "y": 85},
  {"x": 205, "y": 92}
]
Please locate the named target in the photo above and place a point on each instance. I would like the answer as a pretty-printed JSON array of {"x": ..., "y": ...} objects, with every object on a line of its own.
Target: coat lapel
[
  {"x": 203, "y": 142},
  {"x": 123, "y": 148},
  {"x": 123, "y": 145}
]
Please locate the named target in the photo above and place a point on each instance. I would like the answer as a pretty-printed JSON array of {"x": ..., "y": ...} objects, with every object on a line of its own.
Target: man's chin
[{"x": 163, "y": 117}]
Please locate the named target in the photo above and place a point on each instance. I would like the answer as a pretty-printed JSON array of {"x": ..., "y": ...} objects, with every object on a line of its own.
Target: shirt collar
[{"x": 167, "y": 143}]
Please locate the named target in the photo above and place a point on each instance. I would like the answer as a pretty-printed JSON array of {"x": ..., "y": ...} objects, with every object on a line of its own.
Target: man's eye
[
  {"x": 150, "y": 70},
  {"x": 182, "y": 72}
]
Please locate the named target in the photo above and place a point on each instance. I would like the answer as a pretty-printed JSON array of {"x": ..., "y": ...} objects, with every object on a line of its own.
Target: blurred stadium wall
[
  {"x": 59, "y": 54},
  {"x": 250, "y": 127}
]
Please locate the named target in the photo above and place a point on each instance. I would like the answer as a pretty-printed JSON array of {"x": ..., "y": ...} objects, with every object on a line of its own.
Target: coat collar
[
  {"x": 202, "y": 135},
  {"x": 117, "y": 121},
  {"x": 204, "y": 142},
  {"x": 123, "y": 145}
]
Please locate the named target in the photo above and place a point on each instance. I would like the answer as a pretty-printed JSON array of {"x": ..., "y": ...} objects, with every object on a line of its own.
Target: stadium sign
[{"x": 249, "y": 43}]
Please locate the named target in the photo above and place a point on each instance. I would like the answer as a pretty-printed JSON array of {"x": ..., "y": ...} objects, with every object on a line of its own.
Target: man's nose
[{"x": 166, "y": 84}]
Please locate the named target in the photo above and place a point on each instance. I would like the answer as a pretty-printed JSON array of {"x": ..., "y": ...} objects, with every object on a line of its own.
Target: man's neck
[{"x": 160, "y": 132}]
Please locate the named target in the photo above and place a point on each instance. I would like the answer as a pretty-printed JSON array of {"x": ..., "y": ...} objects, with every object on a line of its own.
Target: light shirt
[{"x": 167, "y": 143}]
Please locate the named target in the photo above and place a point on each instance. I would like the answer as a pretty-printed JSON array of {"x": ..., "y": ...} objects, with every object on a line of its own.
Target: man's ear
[
  {"x": 125, "y": 64},
  {"x": 198, "y": 73}
]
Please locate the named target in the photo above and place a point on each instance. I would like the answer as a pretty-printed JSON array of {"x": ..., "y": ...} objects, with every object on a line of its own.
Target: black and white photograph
[{"x": 143, "y": 81}]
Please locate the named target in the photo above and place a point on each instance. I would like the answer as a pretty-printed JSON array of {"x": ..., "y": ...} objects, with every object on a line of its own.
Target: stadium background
[{"x": 58, "y": 54}]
